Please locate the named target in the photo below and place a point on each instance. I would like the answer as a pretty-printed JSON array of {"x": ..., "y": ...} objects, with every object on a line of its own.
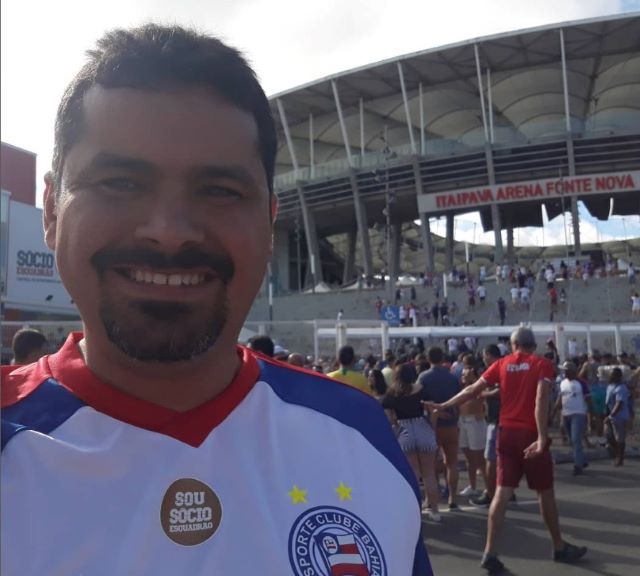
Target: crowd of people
[
  {"x": 521, "y": 283},
  {"x": 448, "y": 399}
]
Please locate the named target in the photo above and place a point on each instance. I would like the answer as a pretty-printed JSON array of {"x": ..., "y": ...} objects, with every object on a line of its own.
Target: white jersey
[{"x": 273, "y": 476}]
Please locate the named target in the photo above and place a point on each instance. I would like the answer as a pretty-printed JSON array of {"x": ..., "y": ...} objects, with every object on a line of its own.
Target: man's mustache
[{"x": 220, "y": 264}]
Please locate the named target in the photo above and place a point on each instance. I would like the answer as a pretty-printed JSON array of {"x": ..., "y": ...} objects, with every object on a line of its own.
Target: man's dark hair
[
  {"x": 346, "y": 355},
  {"x": 262, "y": 343},
  {"x": 435, "y": 355},
  {"x": 154, "y": 57},
  {"x": 492, "y": 350},
  {"x": 25, "y": 341}
]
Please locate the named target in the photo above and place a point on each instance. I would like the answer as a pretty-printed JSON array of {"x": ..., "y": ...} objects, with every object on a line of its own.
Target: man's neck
[{"x": 179, "y": 386}]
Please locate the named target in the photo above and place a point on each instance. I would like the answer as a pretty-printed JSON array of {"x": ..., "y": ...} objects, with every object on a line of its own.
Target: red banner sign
[{"x": 549, "y": 188}]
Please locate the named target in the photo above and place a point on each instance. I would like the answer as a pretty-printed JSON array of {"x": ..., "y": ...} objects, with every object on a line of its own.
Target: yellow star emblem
[
  {"x": 297, "y": 496},
  {"x": 344, "y": 492}
]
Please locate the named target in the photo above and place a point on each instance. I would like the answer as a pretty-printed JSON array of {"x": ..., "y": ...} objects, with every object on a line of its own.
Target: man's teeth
[{"x": 146, "y": 277}]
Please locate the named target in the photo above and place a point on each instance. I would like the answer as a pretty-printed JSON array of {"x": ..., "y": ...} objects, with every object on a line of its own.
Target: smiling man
[{"x": 152, "y": 443}]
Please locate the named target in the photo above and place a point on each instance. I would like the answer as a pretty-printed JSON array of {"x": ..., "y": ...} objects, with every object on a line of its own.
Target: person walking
[
  {"x": 502, "y": 310},
  {"x": 473, "y": 429},
  {"x": 618, "y": 403},
  {"x": 439, "y": 385},
  {"x": 635, "y": 304},
  {"x": 490, "y": 354},
  {"x": 573, "y": 403},
  {"x": 523, "y": 444},
  {"x": 415, "y": 432}
]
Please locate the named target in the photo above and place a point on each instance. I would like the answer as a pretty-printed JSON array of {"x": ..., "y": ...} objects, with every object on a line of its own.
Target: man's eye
[
  {"x": 118, "y": 185},
  {"x": 217, "y": 191}
]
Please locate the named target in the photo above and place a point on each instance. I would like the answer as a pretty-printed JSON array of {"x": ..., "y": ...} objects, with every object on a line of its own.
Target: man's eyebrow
[
  {"x": 105, "y": 160},
  {"x": 215, "y": 172}
]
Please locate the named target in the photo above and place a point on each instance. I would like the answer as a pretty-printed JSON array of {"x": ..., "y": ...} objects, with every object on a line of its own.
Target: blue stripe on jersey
[
  {"x": 349, "y": 406},
  {"x": 46, "y": 408},
  {"x": 343, "y": 403},
  {"x": 421, "y": 563}
]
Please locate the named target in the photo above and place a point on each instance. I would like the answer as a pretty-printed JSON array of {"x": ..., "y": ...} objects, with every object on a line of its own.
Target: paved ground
[{"x": 600, "y": 510}]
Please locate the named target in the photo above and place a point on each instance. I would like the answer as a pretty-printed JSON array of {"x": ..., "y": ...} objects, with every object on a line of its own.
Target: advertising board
[{"x": 33, "y": 282}]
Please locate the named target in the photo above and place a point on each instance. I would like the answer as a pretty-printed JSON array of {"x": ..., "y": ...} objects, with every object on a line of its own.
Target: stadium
[
  {"x": 507, "y": 125},
  {"x": 376, "y": 164}
]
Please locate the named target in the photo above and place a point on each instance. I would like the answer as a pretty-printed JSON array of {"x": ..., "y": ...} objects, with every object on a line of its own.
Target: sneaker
[
  {"x": 492, "y": 565},
  {"x": 569, "y": 553},
  {"x": 434, "y": 516},
  {"x": 453, "y": 507},
  {"x": 482, "y": 501},
  {"x": 468, "y": 491},
  {"x": 578, "y": 471}
]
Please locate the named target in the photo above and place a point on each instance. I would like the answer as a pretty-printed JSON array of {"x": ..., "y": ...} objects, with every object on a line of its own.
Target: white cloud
[{"x": 468, "y": 228}]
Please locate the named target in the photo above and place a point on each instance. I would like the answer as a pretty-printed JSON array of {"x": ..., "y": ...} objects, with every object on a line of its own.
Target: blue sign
[{"x": 390, "y": 314}]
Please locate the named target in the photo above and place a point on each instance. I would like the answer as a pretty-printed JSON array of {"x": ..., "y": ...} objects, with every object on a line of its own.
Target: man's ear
[{"x": 49, "y": 213}]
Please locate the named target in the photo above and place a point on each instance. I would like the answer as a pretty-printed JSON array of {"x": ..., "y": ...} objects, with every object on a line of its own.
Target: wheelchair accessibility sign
[{"x": 391, "y": 314}]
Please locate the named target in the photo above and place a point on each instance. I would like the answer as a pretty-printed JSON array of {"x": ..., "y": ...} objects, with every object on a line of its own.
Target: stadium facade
[{"x": 505, "y": 125}]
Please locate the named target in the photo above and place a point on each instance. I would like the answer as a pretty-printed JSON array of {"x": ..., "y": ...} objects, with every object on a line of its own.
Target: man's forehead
[
  {"x": 184, "y": 125},
  {"x": 200, "y": 110}
]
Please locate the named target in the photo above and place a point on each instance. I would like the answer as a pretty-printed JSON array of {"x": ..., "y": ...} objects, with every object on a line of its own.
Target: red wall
[{"x": 18, "y": 173}]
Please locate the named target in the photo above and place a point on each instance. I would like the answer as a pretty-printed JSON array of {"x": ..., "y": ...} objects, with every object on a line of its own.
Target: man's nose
[{"x": 171, "y": 221}]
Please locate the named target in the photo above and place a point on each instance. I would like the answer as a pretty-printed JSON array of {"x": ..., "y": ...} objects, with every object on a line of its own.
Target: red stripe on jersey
[{"x": 192, "y": 427}]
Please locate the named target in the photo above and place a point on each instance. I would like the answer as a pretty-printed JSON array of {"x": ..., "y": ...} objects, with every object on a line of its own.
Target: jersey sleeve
[{"x": 492, "y": 374}]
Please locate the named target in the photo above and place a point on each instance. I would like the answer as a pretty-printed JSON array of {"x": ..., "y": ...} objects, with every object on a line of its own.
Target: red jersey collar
[{"x": 192, "y": 427}]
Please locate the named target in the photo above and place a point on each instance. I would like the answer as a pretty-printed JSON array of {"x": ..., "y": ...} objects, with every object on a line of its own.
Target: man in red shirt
[{"x": 523, "y": 442}]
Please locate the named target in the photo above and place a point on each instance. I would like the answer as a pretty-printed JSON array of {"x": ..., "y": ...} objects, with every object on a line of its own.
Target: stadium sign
[{"x": 545, "y": 189}]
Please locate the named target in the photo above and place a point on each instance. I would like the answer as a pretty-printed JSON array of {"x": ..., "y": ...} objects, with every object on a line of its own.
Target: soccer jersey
[
  {"x": 273, "y": 476},
  {"x": 356, "y": 379},
  {"x": 518, "y": 375}
]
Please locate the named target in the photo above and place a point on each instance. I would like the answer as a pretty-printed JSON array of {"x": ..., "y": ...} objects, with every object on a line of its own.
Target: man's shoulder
[
  {"x": 308, "y": 388},
  {"x": 32, "y": 399},
  {"x": 18, "y": 382}
]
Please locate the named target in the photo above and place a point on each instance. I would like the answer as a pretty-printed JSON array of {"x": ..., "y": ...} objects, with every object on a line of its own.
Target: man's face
[{"x": 162, "y": 229}]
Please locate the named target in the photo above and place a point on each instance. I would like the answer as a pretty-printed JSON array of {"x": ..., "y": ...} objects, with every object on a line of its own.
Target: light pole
[
  {"x": 387, "y": 213},
  {"x": 388, "y": 155}
]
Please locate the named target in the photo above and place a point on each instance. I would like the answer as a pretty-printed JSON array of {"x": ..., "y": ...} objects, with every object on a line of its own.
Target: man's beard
[
  {"x": 164, "y": 332},
  {"x": 167, "y": 331}
]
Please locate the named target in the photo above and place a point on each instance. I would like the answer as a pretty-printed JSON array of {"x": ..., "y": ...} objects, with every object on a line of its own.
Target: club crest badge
[{"x": 330, "y": 541}]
